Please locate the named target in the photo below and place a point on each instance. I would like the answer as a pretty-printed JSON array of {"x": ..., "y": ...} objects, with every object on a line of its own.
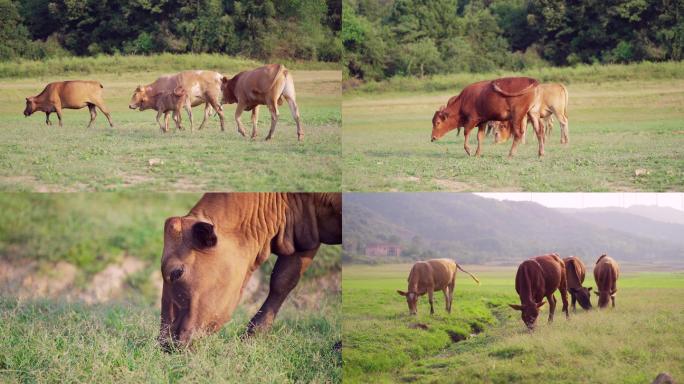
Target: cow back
[{"x": 575, "y": 271}]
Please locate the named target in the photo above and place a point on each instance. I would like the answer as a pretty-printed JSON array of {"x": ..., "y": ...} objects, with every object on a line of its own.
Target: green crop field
[
  {"x": 632, "y": 343},
  {"x": 626, "y": 134},
  {"x": 135, "y": 155}
]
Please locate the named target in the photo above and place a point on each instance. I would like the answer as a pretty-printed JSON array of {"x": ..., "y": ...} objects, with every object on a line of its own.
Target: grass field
[
  {"x": 35, "y": 157},
  {"x": 48, "y": 341},
  {"x": 624, "y": 136},
  {"x": 632, "y": 343}
]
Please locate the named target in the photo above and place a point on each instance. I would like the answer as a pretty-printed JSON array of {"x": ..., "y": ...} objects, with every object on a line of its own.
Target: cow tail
[
  {"x": 565, "y": 110},
  {"x": 498, "y": 89},
  {"x": 101, "y": 86},
  {"x": 469, "y": 274}
]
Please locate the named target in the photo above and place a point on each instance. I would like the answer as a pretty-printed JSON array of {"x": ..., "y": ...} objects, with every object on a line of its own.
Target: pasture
[
  {"x": 135, "y": 155},
  {"x": 625, "y": 135},
  {"x": 631, "y": 344}
]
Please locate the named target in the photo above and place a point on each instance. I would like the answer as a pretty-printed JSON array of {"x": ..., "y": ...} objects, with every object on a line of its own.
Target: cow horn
[{"x": 516, "y": 307}]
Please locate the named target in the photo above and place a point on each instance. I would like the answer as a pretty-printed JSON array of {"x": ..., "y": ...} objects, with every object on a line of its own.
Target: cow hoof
[{"x": 300, "y": 137}]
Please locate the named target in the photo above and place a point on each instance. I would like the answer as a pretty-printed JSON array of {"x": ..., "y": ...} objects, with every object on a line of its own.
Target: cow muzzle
[
  {"x": 132, "y": 106},
  {"x": 433, "y": 139}
]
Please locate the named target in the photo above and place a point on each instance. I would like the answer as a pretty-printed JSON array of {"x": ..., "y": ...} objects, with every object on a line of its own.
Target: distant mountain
[{"x": 474, "y": 229}]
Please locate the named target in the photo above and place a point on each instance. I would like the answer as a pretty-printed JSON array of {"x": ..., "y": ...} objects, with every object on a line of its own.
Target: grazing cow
[
  {"x": 170, "y": 102},
  {"x": 508, "y": 99},
  {"x": 210, "y": 254},
  {"x": 74, "y": 94},
  {"x": 575, "y": 272},
  {"x": 606, "y": 273},
  {"x": 540, "y": 277},
  {"x": 429, "y": 276},
  {"x": 267, "y": 85},
  {"x": 202, "y": 87},
  {"x": 553, "y": 101}
]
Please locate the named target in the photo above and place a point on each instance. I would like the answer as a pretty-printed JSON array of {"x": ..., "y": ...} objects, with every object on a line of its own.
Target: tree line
[
  {"x": 262, "y": 29},
  {"x": 383, "y": 38}
]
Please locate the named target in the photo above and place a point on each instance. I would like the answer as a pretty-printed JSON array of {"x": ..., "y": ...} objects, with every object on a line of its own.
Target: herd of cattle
[
  {"x": 269, "y": 85},
  {"x": 537, "y": 278},
  {"x": 504, "y": 106}
]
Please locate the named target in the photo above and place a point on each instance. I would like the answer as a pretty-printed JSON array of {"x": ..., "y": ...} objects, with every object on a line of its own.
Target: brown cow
[
  {"x": 203, "y": 87},
  {"x": 267, "y": 85},
  {"x": 429, "y": 276},
  {"x": 170, "y": 102},
  {"x": 553, "y": 101},
  {"x": 210, "y": 254},
  {"x": 606, "y": 273},
  {"x": 74, "y": 94},
  {"x": 508, "y": 99},
  {"x": 540, "y": 277},
  {"x": 575, "y": 272}
]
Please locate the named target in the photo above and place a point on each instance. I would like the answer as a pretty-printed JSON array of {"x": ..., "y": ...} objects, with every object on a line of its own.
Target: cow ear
[
  {"x": 203, "y": 235},
  {"x": 179, "y": 91},
  {"x": 138, "y": 88},
  {"x": 401, "y": 292},
  {"x": 540, "y": 304},
  {"x": 516, "y": 307},
  {"x": 224, "y": 80}
]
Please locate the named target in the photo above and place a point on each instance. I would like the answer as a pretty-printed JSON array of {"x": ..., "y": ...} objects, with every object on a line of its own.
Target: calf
[
  {"x": 75, "y": 94},
  {"x": 267, "y": 85},
  {"x": 606, "y": 273},
  {"x": 429, "y": 276},
  {"x": 575, "y": 272},
  {"x": 540, "y": 277},
  {"x": 167, "y": 102}
]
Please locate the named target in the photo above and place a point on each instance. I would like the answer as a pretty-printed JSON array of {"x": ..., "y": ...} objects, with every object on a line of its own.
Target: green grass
[
  {"x": 630, "y": 344},
  {"x": 45, "y": 341},
  {"x": 616, "y": 128},
  {"x": 35, "y": 157},
  {"x": 135, "y": 64}
]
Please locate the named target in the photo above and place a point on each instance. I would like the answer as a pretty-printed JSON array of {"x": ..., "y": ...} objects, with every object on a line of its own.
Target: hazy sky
[{"x": 586, "y": 200}]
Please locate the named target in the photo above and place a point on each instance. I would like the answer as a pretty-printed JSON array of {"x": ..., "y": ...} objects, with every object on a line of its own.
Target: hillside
[{"x": 473, "y": 229}]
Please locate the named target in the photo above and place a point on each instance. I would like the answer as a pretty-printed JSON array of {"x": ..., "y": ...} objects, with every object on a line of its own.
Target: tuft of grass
[
  {"x": 632, "y": 343},
  {"x": 48, "y": 341}
]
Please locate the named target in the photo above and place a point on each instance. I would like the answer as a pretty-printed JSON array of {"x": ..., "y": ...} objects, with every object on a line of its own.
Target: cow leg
[
  {"x": 166, "y": 122},
  {"x": 58, "y": 111},
  {"x": 206, "y": 115},
  {"x": 563, "y": 121},
  {"x": 552, "y": 306},
  {"x": 238, "y": 112},
  {"x": 451, "y": 292},
  {"x": 177, "y": 119},
  {"x": 105, "y": 112},
  {"x": 161, "y": 126},
  {"x": 255, "y": 118},
  {"x": 466, "y": 134},
  {"x": 188, "y": 108},
  {"x": 458, "y": 131},
  {"x": 480, "y": 138},
  {"x": 93, "y": 115},
  {"x": 219, "y": 110},
  {"x": 574, "y": 300},
  {"x": 540, "y": 134},
  {"x": 273, "y": 108},
  {"x": 446, "y": 299},
  {"x": 612, "y": 299},
  {"x": 286, "y": 274},
  {"x": 432, "y": 308},
  {"x": 47, "y": 118},
  {"x": 518, "y": 131},
  {"x": 294, "y": 110}
]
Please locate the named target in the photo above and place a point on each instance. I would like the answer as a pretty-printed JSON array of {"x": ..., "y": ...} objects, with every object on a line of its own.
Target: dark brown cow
[
  {"x": 540, "y": 277},
  {"x": 75, "y": 94},
  {"x": 210, "y": 254},
  {"x": 606, "y": 273},
  {"x": 267, "y": 85},
  {"x": 429, "y": 276},
  {"x": 575, "y": 272},
  {"x": 509, "y": 99}
]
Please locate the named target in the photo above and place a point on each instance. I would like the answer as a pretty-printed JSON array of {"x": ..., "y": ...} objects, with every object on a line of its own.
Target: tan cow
[
  {"x": 606, "y": 273},
  {"x": 74, "y": 94},
  {"x": 210, "y": 254},
  {"x": 429, "y": 276},
  {"x": 203, "y": 87},
  {"x": 552, "y": 101},
  {"x": 170, "y": 101},
  {"x": 267, "y": 85}
]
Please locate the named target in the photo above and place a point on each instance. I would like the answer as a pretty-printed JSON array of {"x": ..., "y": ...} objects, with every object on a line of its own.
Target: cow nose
[
  {"x": 176, "y": 273},
  {"x": 433, "y": 139}
]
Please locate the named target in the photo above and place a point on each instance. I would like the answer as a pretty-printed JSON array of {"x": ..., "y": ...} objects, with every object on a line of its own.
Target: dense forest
[
  {"x": 262, "y": 29},
  {"x": 421, "y": 37}
]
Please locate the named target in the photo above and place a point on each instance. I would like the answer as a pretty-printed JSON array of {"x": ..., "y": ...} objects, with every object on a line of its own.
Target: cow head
[
  {"x": 228, "y": 90},
  {"x": 181, "y": 94},
  {"x": 583, "y": 296},
  {"x": 139, "y": 99},
  {"x": 604, "y": 297},
  {"x": 530, "y": 312},
  {"x": 30, "y": 106},
  {"x": 502, "y": 132},
  {"x": 443, "y": 121},
  {"x": 203, "y": 274},
  {"x": 411, "y": 300}
]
